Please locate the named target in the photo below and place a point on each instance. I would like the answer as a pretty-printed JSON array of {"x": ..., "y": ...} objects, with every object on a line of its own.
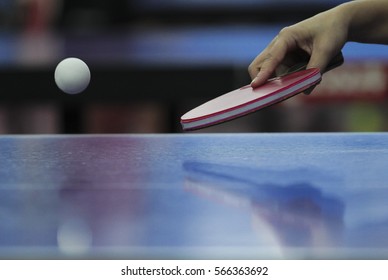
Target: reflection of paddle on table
[
  {"x": 298, "y": 213},
  {"x": 246, "y": 99}
]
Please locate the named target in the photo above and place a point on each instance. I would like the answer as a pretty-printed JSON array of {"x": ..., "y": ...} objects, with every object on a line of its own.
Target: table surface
[{"x": 194, "y": 196}]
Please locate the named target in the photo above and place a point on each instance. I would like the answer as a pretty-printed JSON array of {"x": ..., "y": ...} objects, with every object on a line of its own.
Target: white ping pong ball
[{"x": 72, "y": 75}]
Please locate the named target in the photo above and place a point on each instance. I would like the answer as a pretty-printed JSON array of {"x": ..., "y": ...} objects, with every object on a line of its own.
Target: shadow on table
[{"x": 282, "y": 203}]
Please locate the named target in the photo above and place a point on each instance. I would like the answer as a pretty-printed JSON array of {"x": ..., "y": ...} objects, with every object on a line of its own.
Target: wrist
[{"x": 366, "y": 21}]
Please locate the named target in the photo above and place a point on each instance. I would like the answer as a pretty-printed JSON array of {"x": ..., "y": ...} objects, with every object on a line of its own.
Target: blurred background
[{"x": 151, "y": 61}]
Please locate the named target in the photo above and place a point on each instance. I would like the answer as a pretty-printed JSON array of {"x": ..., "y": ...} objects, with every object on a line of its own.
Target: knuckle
[
  {"x": 251, "y": 67},
  {"x": 285, "y": 31}
]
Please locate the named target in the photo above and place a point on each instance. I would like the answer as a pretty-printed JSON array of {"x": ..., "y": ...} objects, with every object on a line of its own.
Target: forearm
[{"x": 367, "y": 20}]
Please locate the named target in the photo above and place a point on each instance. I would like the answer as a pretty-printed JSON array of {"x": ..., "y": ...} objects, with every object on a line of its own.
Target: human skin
[{"x": 320, "y": 38}]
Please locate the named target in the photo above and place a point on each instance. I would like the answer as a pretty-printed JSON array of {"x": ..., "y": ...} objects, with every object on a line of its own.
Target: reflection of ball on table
[{"x": 72, "y": 75}]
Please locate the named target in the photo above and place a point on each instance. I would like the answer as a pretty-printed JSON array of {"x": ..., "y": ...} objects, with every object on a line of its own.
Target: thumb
[
  {"x": 318, "y": 60},
  {"x": 323, "y": 64}
]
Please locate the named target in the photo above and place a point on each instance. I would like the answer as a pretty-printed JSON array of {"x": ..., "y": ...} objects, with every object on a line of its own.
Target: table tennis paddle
[{"x": 246, "y": 99}]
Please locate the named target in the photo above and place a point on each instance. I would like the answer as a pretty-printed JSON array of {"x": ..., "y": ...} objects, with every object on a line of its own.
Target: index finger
[{"x": 265, "y": 64}]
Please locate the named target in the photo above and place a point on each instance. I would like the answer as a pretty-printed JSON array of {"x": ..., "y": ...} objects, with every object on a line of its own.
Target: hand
[{"x": 316, "y": 40}]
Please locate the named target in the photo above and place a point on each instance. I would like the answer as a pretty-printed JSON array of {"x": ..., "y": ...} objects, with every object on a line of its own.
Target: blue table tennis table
[{"x": 194, "y": 196}]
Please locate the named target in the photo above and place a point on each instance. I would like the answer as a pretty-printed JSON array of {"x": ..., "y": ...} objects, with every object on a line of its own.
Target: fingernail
[{"x": 253, "y": 81}]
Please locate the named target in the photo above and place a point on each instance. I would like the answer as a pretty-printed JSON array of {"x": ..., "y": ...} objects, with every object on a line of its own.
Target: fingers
[
  {"x": 325, "y": 61},
  {"x": 260, "y": 74},
  {"x": 282, "y": 55},
  {"x": 315, "y": 41},
  {"x": 318, "y": 60},
  {"x": 265, "y": 64},
  {"x": 323, "y": 65}
]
